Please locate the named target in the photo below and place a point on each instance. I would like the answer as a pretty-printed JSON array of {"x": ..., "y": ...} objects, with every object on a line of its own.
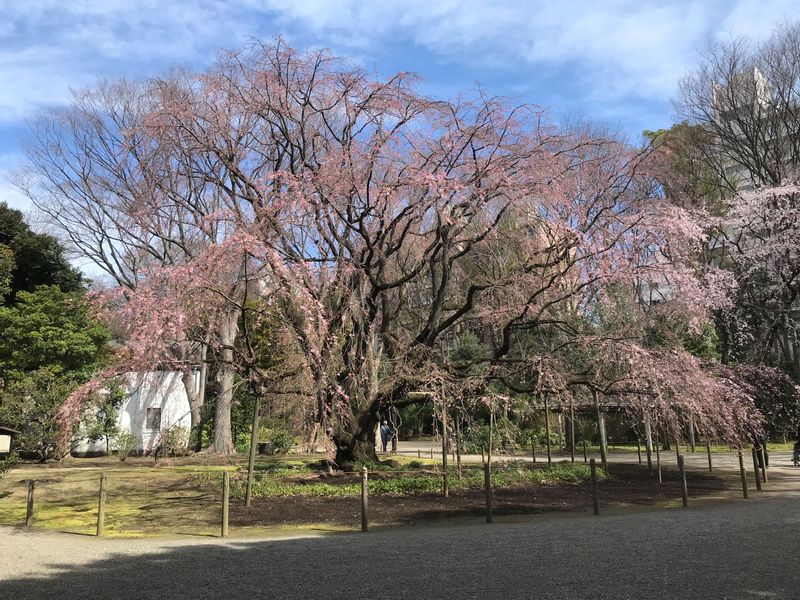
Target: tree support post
[
  {"x": 762, "y": 455},
  {"x": 743, "y": 475},
  {"x": 547, "y": 432},
  {"x": 251, "y": 463},
  {"x": 101, "y": 507},
  {"x": 29, "y": 513},
  {"x": 364, "y": 499},
  {"x": 684, "y": 488},
  {"x": 708, "y": 452},
  {"x": 533, "y": 448},
  {"x": 595, "y": 499},
  {"x": 601, "y": 426},
  {"x": 648, "y": 442},
  {"x": 658, "y": 459},
  {"x": 226, "y": 492},
  {"x": 755, "y": 469},
  {"x": 639, "y": 449},
  {"x": 571, "y": 431},
  {"x": 458, "y": 445},
  {"x": 585, "y": 454},
  {"x": 445, "y": 486},
  {"x": 487, "y": 486}
]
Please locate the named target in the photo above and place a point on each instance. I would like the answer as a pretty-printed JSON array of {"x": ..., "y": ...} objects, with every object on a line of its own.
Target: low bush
[
  {"x": 8, "y": 463},
  {"x": 125, "y": 443}
]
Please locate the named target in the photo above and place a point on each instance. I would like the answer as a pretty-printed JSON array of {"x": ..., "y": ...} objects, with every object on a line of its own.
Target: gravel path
[{"x": 738, "y": 549}]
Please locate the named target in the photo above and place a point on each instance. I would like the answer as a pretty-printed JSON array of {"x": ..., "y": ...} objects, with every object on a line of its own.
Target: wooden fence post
[
  {"x": 364, "y": 499},
  {"x": 487, "y": 486},
  {"x": 684, "y": 488},
  {"x": 595, "y": 500},
  {"x": 29, "y": 513},
  {"x": 755, "y": 469},
  {"x": 658, "y": 458},
  {"x": 226, "y": 492},
  {"x": 571, "y": 431},
  {"x": 547, "y": 432},
  {"x": 101, "y": 507},
  {"x": 742, "y": 474}
]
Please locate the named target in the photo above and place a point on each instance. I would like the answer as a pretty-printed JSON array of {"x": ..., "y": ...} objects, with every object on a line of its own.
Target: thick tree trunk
[
  {"x": 223, "y": 440},
  {"x": 356, "y": 443}
]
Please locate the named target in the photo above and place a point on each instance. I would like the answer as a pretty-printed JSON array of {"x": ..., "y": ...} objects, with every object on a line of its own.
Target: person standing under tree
[{"x": 385, "y": 434}]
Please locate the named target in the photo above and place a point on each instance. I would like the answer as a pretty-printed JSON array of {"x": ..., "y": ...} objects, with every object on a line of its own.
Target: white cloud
[
  {"x": 618, "y": 48},
  {"x": 614, "y": 49}
]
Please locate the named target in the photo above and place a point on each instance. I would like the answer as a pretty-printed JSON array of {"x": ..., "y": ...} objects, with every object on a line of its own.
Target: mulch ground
[{"x": 628, "y": 485}]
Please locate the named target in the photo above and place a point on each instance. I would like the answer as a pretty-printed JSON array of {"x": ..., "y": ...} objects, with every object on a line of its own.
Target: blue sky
[{"x": 616, "y": 62}]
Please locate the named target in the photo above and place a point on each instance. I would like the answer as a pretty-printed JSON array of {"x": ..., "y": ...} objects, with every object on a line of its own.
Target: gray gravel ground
[{"x": 738, "y": 549}]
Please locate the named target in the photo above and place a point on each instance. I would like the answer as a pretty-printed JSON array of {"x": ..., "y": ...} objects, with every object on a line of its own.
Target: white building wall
[
  {"x": 157, "y": 389},
  {"x": 162, "y": 390}
]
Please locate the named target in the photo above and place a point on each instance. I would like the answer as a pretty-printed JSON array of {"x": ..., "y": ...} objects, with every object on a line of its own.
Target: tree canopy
[{"x": 29, "y": 259}]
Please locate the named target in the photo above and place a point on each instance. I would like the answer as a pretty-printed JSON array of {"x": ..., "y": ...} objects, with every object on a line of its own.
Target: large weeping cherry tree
[{"x": 375, "y": 226}]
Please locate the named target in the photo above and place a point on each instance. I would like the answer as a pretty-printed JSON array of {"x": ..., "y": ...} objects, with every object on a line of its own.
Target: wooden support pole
[
  {"x": 677, "y": 449},
  {"x": 708, "y": 452},
  {"x": 226, "y": 493},
  {"x": 559, "y": 431},
  {"x": 431, "y": 453},
  {"x": 691, "y": 434},
  {"x": 419, "y": 453},
  {"x": 445, "y": 482},
  {"x": 251, "y": 461},
  {"x": 600, "y": 428},
  {"x": 101, "y": 507},
  {"x": 585, "y": 454},
  {"x": 547, "y": 432},
  {"x": 571, "y": 431},
  {"x": 755, "y": 469},
  {"x": 29, "y": 513},
  {"x": 684, "y": 488},
  {"x": 639, "y": 449},
  {"x": 458, "y": 445},
  {"x": 742, "y": 474},
  {"x": 487, "y": 486},
  {"x": 533, "y": 448},
  {"x": 364, "y": 499},
  {"x": 595, "y": 499},
  {"x": 648, "y": 442},
  {"x": 763, "y": 459},
  {"x": 658, "y": 458}
]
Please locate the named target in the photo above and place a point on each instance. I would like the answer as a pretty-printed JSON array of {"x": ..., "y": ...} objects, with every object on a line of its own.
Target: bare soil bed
[{"x": 628, "y": 485}]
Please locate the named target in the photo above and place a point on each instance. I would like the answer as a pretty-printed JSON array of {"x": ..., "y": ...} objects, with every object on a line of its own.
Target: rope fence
[{"x": 100, "y": 500}]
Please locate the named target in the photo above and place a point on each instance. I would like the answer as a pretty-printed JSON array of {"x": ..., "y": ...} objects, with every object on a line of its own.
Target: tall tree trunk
[
  {"x": 223, "y": 440},
  {"x": 355, "y": 441}
]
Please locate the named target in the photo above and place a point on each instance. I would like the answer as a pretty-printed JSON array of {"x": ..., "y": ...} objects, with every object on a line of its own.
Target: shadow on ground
[{"x": 742, "y": 549}]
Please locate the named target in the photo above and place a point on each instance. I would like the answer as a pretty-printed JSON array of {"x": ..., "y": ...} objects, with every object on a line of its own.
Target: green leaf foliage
[
  {"x": 52, "y": 329},
  {"x": 36, "y": 258}
]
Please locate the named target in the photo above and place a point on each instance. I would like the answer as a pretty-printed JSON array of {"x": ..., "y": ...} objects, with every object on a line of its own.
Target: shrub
[
  {"x": 275, "y": 437},
  {"x": 8, "y": 463},
  {"x": 176, "y": 441},
  {"x": 125, "y": 443}
]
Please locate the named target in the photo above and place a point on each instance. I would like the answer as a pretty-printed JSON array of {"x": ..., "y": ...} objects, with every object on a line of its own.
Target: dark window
[{"x": 153, "y": 419}]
